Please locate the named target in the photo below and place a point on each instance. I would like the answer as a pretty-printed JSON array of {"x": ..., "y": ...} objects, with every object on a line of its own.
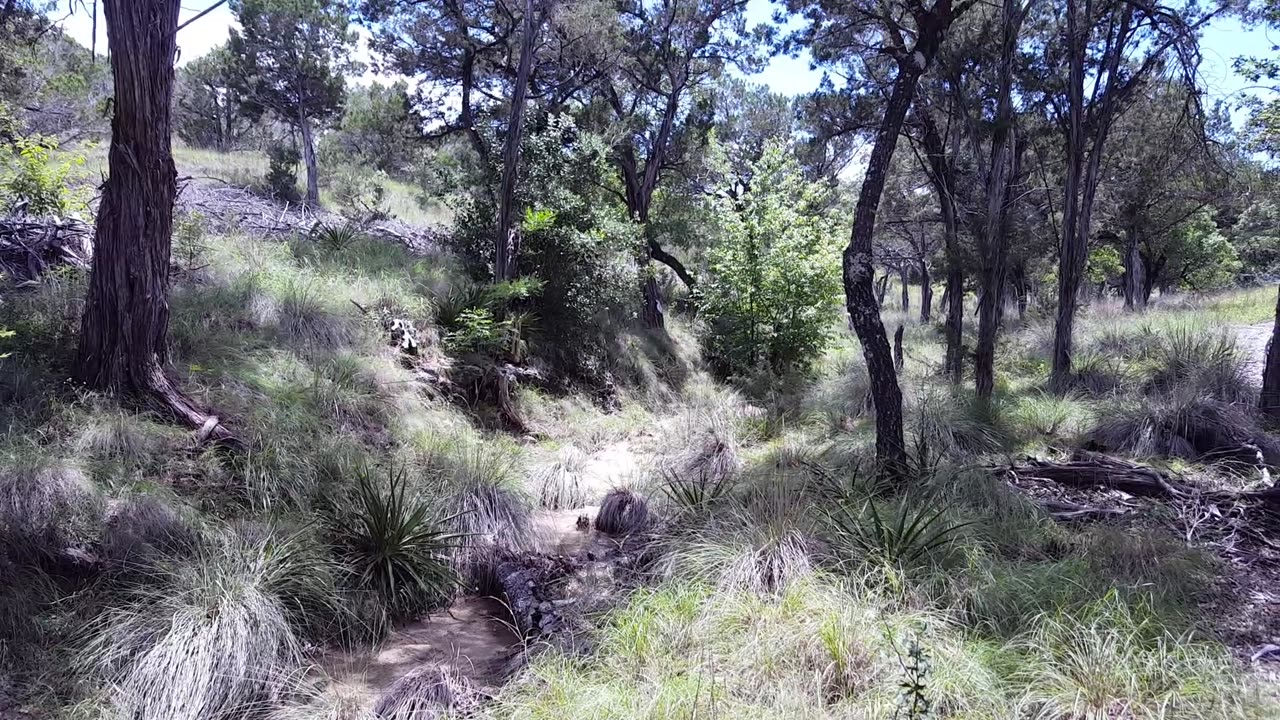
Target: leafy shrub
[
  {"x": 361, "y": 198},
  {"x": 282, "y": 173},
  {"x": 395, "y": 546},
  {"x": 31, "y": 182},
  {"x": 579, "y": 247},
  {"x": 774, "y": 272}
]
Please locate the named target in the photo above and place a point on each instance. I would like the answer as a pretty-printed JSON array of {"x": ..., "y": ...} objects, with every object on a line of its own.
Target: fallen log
[{"x": 1090, "y": 469}]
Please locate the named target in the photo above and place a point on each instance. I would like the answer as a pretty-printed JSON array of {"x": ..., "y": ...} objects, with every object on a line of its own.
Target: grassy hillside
[{"x": 150, "y": 576}]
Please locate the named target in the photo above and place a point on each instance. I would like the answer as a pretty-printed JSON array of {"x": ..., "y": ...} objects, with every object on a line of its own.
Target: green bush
[
  {"x": 774, "y": 273},
  {"x": 575, "y": 243},
  {"x": 32, "y": 182},
  {"x": 282, "y": 173}
]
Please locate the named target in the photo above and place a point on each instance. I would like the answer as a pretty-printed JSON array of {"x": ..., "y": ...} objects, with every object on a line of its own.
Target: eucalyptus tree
[{"x": 868, "y": 43}]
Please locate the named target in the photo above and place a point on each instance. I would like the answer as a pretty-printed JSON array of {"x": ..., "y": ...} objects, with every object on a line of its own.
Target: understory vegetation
[{"x": 560, "y": 372}]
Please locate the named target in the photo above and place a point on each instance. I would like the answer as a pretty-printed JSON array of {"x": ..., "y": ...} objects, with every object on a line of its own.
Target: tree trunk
[
  {"x": 1002, "y": 174},
  {"x": 899, "y": 355},
  {"x": 124, "y": 330},
  {"x": 1134, "y": 272},
  {"x": 906, "y": 288},
  {"x": 1269, "y": 400},
  {"x": 309, "y": 158},
  {"x": 942, "y": 176},
  {"x": 506, "y": 242},
  {"x": 882, "y": 289},
  {"x": 1082, "y": 177},
  {"x": 860, "y": 298},
  {"x": 926, "y": 292}
]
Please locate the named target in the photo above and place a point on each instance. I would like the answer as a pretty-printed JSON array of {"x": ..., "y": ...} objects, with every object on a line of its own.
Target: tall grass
[{"x": 218, "y": 637}]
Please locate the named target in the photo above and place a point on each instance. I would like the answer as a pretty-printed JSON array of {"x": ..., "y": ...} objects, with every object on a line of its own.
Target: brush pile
[{"x": 29, "y": 246}]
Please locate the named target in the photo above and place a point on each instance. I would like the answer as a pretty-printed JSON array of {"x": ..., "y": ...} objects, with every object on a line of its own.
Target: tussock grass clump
[
  {"x": 143, "y": 528},
  {"x": 306, "y": 319},
  {"x": 122, "y": 437},
  {"x": 1114, "y": 658},
  {"x": 427, "y": 693},
  {"x": 1098, "y": 373},
  {"x": 1200, "y": 362},
  {"x": 622, "y": 512},
  {"x": 559, "y": 482},
  {"x": 1178, "y": 426},
  {"x": 46, "y": 507},
  {"x": 479, "y": 489},
  {"x": 216, "y": 637},
  {"x": 839, "y": 395},
  {"x": 761, "y": 545},
  {"x": 705, "y": 448},
  {"x": 1046, "y": 417},
  {"x": 323, "y": 705}
]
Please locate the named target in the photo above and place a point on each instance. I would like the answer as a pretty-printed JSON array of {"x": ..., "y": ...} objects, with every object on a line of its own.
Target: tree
[
  {"x": 379, "y": 129},
  {"x": 773, "y": 276},
  {"x": 908, "y": 36},
  {"x": 208, "y": 109},
  {"x": 1109, "y": 49},
  {"x": 1269, "y": 400},
  {"x": 670, "y": 50},
  {"x": 124, "y": 328},
  {"x": 291, "y": 56}
]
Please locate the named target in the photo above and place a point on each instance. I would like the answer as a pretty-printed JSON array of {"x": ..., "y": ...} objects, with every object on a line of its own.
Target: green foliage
[
  {"x": 378, "y": 130},
  {"x": 1201, "y": 257},
  {"x": 290, "y": 57},
  {"x": 360, "y": 195},
  {"x": 577, "y": 245},
  {"x": 774, "y": 273},
  {"x": 32, "y": 182},
  {"x": 397, "y": 549},
  {"x": 208, "y": 108},
  {"x": 913, "y": 702},
  {"x": 904, "y": 537},
  {"x": 282, "y": 173},
  {"x": 1104, "y": 265}
]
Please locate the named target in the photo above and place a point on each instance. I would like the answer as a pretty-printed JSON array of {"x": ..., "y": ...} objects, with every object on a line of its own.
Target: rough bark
[
  {"x": 124, "y": 329},
  {"x": 506, "y": 241},
  {"x": 860, "y": 299},
  {"x": 926, "y": 292},
  {"x": 1001, "y": 176},
  {"x": 942, "y": 176},
  {"x": 1269, "y": 400},
  {"x": 1134, "y": 272},
  {"x": 309, "y": 159}
]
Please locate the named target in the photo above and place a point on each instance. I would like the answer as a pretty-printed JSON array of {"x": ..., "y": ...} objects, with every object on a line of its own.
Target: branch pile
[
  {"x": 29, "y": 246},
  {"x": 1106, "y": 481}
]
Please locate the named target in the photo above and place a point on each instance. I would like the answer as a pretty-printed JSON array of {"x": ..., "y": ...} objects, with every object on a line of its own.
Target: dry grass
[
  {"x": 217, "y": 637},
  {"x": 623, "y": 512},
  {"x": 558, "y": 482},
  {"x": 427, "y": 693}
]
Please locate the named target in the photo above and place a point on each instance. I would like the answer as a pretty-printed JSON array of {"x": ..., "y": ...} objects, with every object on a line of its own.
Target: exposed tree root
[{"x": 161, "y": 394}]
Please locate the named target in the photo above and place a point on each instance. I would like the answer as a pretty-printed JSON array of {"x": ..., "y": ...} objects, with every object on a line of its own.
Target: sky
[{"x": 1222, "y": 42}]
